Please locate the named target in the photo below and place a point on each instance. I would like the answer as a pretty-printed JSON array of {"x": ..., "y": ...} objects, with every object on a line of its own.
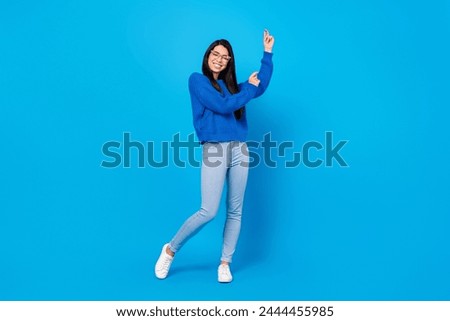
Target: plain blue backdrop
[{"x": 77, "y": 74}]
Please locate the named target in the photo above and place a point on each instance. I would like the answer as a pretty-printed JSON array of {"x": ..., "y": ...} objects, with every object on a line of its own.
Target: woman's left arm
[{"x": 265, "y": 72}]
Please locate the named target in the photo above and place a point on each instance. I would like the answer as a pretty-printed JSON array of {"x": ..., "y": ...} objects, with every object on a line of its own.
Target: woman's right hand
[{"x": 253, "y": 79}]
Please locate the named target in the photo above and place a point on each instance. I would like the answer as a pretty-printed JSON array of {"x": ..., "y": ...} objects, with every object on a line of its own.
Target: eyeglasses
[{"x": 217, "y": 55}]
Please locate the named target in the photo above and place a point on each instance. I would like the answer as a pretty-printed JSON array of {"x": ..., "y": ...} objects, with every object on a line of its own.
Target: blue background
[{"x": 76, "y": 74}]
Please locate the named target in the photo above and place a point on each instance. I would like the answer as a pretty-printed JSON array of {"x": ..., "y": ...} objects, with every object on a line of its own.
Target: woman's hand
[
  {"x": 268, "y": 41},
  {"x": 253, "y": 79}
]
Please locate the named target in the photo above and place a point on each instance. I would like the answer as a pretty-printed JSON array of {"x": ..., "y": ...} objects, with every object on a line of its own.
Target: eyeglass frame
[{"x": 216, "y": 55}]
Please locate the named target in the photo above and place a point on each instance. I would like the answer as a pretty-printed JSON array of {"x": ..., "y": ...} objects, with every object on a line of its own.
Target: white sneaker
[
  {"x": 224, "y": 273},
  {"x": 163, "y": 264}
]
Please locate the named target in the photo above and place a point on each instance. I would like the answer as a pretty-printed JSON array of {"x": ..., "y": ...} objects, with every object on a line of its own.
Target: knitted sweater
[{"x": 212, "y": 111}]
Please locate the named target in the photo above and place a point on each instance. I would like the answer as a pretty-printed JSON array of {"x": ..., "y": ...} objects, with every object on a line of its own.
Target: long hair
[{"x": 228, "y": 75}]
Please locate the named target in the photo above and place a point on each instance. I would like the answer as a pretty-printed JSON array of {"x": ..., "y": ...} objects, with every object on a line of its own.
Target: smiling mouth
[{"x": 217, "y": 65}]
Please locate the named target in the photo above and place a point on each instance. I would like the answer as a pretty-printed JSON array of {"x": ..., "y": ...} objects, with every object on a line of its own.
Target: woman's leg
[
  {"x": 237, "y": 181},
  {"x": 213, "y": 173}
]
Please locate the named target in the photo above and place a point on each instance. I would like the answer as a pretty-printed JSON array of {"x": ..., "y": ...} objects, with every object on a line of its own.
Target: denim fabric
[{"x": 221, "y": 161}]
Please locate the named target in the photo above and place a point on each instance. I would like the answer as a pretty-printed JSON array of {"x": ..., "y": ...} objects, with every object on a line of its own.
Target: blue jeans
[{"x": 220, "y": 162}]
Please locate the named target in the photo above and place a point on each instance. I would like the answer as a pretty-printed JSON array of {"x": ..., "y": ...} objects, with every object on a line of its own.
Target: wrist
[{"x": 269, "y": 50}]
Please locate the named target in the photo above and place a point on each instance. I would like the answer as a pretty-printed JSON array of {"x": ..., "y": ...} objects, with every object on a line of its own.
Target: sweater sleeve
[
  {"x": 201, "y": 87},
  {"x": 264, "y": 74}
]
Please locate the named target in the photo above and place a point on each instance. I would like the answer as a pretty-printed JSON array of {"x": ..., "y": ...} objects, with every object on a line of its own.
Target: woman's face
[{"x": 218, "y": 60}]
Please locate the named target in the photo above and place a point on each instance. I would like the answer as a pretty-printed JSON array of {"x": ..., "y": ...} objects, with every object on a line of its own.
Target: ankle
[{"x": 169, "y": 251}]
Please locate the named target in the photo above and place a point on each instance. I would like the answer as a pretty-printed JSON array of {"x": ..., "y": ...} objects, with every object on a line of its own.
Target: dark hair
[{"x": 228, "y": 75}]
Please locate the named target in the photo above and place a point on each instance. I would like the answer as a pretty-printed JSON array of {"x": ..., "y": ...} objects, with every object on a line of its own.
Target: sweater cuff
[
  {"x": 252, "y": 89},
  {"x": 267, "y": 55}
]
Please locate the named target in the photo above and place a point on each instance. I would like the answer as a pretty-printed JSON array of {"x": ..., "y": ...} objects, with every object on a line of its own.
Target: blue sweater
[{"x": 213, "y": 112}]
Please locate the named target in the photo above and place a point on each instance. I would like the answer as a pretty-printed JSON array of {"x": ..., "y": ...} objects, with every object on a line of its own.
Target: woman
[{"x": 218, "y": 107}]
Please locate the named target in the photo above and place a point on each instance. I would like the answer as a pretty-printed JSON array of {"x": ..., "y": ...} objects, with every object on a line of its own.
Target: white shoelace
[
  {"x": 225, "y": 270},
  {"x": 166, "y": 262}
]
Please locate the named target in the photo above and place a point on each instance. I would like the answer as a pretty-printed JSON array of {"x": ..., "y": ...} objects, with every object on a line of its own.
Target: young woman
[{"x": 218, "y": 107}]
